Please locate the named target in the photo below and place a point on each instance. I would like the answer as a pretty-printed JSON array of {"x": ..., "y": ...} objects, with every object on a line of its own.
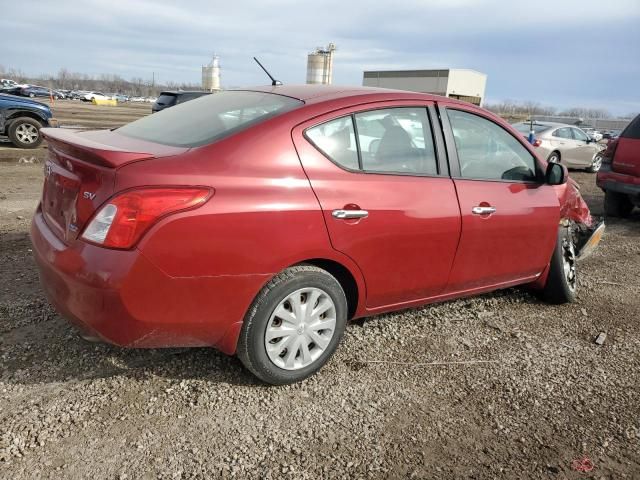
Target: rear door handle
[
  {"x": 483, "y": 210},
  {"x": 349, "y": 214}
]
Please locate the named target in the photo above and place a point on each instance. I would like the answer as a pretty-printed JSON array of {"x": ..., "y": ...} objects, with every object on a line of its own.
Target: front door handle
[
  {"x": 483, "y": 210},
  {"x": 349, "y": 214}
]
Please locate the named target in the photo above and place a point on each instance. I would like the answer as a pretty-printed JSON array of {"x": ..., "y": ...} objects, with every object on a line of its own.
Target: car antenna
[{"x": 274, "y": 82}]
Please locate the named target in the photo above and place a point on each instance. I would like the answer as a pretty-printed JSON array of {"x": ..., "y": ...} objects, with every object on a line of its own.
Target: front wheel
[
  {"x": 24, "y": 132},
  {"x": 562, "y": 280},
  {"x": 617, "y": 204},
  {"x": 554, "y": 157},
  {"x": 293, "y": 326},
  {"x": 595, "y": 164}
]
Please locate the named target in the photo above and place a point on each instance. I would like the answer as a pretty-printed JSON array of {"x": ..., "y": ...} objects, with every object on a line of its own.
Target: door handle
[
  {"x": 483, "y": 210},
  {"x": 349, "y": 214}
]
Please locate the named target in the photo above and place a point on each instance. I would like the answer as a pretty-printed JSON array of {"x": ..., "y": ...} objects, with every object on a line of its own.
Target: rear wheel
[
  {"x": 617, "y": 204},
  {"x": 554, "y": 157},
  {"x": 562, "y": 281},
  {"x": 24, "y": 132},
  {"x": 293, "y": 326}
]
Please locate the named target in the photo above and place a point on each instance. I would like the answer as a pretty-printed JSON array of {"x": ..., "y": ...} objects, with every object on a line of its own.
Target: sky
[{"x": 561, "y": 53}]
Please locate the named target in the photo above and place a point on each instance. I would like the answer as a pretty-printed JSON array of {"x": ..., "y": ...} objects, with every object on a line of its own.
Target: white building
[{"x": 462, "y": 84}]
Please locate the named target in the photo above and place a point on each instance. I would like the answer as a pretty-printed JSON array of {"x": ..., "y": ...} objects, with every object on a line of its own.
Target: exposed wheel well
[
  {"x": 343, "y": 275},
  {"x": 15, "y": 115}
]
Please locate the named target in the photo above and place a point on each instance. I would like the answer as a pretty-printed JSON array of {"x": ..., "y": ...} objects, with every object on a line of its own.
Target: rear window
[
  {"x": 526, "y": 127},
  {"x": 209, "y": 118},
  {"x": 632, "y": 130},
  {"x": 166, "y": 99}
]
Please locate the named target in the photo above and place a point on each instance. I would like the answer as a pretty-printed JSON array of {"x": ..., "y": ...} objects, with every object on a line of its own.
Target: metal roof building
[{"x": 461, "y": 84}]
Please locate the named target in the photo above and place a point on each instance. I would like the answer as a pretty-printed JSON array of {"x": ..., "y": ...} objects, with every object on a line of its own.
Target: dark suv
[
  {"x": 21, "y": 120},
  {"x": 169, "y": 99},
  {"x": 619, "y": 176}
]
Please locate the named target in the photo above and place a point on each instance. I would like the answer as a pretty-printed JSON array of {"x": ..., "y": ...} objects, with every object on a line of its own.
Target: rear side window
[
  {"x": 396, "y": 140},
  {"x": 392, "y": 140},
  {"x": 209, "y": 118},
  {"x": 632, "y": 130},
  {"x": 563, "y": 133},
  {"x": 337, "y": 140},
  {"x": 486, "y": 151}
]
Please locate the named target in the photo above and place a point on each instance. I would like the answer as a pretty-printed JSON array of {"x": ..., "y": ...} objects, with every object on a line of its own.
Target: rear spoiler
[{"x": 69, "y": 142}]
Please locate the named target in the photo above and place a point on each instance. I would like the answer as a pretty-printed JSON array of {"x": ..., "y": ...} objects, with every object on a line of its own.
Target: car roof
[{"x": 321, "y": 93}]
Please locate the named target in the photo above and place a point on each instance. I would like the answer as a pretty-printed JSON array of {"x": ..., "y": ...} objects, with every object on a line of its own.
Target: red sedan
[{"x": 259, "y": 221}]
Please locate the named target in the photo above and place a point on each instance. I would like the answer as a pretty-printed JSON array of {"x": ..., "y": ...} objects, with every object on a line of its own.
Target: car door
[
  {"x": 562, "y": 140},
  {"x": 509, "y": 216},
  {"x": 584, "y": 149},
  {"x": 381, "y": 179}
]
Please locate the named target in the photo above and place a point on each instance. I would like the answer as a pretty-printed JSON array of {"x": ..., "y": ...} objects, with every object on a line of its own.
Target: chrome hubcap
[
  {"x": 597, "y": 163},
  {"x": 569, "y": 263},
  {"x": 300, "y": 328},
  {"x": 27, "y": 133}
]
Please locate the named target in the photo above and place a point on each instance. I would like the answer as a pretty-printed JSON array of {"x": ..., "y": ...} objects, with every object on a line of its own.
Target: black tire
[
  {"x": 16, "y": 135},
  {"x": 251, "y": 348},
  {"x": 559, "y": 288},
  {"x": 617, "y": 204},
  {"x": 554, "y": 157}
]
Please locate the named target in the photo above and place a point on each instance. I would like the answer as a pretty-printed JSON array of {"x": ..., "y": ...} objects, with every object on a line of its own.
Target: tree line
[
  {"x": 509, "y": 108},
  {"x": 106, "y": 83}
]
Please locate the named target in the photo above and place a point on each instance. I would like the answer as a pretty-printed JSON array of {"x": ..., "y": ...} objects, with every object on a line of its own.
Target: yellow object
[{"x": 109, "y": 103}]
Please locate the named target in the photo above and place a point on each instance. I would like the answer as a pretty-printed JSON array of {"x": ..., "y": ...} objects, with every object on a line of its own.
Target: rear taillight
[
  {"x": 537, "y": 142},
  {"x": 122, "y": 221},
  {"x": 610, "y": 151}
]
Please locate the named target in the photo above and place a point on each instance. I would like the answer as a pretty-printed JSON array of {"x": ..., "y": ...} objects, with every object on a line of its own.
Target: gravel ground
[{"x": 537, "y": 395}]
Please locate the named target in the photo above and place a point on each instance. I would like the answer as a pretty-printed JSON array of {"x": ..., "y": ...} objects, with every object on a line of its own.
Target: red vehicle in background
[
  {"x": 260, "y": 221},
  {"x": 620, "y": 173}
]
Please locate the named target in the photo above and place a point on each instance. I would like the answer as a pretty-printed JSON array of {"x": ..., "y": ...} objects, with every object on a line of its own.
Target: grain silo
[
  {"x": 211, "y": 75},
  {"x": 320, "y": 65}
]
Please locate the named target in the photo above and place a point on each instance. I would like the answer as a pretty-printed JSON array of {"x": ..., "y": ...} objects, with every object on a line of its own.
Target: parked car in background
[
  {"x": 611, "y": 134},
  {"x": 562, "y": 143},
  {"x": 593, "y": 133},
  {"x": 120, "y": 97},
  {"x": 251, "y": 220},
  {"x": 21, "y": 120},
  {"x": 7, "y": 83},
  {"x": 137, "y": 99},
  {"x": 170, "y": 99},
  {"x": 90, "y": 96},
  {"x": 619, "y": 176},
  {"x": 35, "y": 91}
]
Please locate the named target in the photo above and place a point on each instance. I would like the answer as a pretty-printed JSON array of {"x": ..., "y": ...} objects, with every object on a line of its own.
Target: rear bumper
[
  {"x": 122, "y": 298},
  {"x": 617, "y": 182}
]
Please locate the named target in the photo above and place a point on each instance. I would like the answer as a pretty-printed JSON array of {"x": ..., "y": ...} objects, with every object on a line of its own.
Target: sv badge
[{"x": 89, "y": 195}]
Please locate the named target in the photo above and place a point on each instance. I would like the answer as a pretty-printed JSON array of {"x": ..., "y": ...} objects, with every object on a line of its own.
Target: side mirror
[{"x": 556, "y": 174}]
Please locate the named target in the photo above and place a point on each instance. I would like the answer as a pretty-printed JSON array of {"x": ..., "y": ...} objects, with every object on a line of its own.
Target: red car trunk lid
[{"x": 80, "y": 172}]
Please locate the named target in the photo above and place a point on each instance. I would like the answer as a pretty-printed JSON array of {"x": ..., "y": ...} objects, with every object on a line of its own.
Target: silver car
[{"x": 566, "y": 144}]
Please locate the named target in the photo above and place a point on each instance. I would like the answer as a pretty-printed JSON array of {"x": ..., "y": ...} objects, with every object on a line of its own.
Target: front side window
[
  {"x": 396, "y": 140},
  {"x": 579, "y": 135},
  {"x": 486, "y": 151}
]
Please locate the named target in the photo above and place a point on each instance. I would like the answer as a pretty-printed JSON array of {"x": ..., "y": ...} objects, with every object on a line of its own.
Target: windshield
[
  {"x": 525, "y": 128},
  {"x": 209, "y": 118}
]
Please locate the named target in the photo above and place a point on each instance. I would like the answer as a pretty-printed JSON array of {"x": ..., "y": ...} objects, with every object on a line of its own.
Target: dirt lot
[{"x": 548, "y": 395}]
